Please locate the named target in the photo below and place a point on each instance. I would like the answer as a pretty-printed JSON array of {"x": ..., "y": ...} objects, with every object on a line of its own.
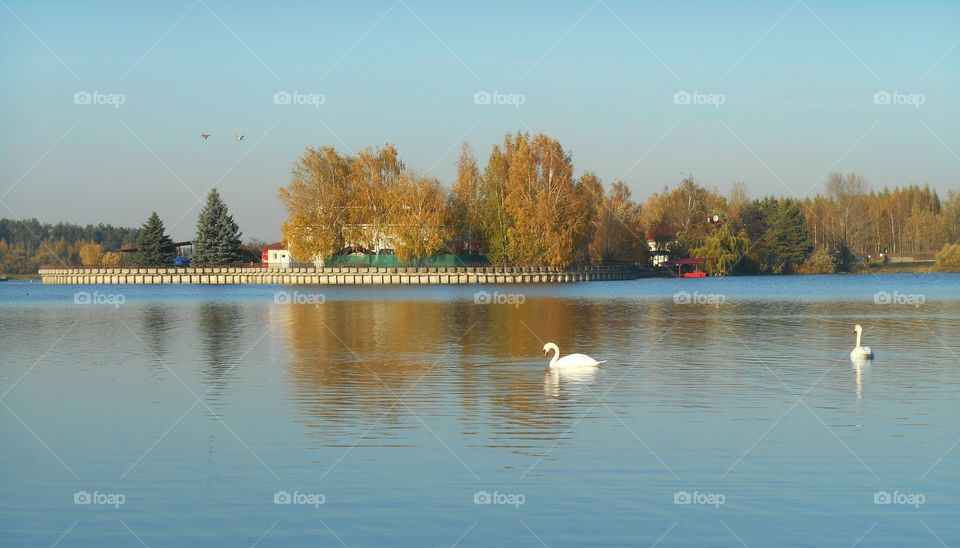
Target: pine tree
[
  {"x": 218, "y": 237},
  {"x": 154, "y": 247}
]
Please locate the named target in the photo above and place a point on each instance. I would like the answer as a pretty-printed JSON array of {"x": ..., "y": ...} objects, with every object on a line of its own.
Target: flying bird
[
  {"x": 238, "y": 137},
  {"x": 204, "y": 135}
]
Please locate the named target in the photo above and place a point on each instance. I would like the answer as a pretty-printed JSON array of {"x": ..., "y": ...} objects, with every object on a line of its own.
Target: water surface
[{"x": 401, "y": 408}]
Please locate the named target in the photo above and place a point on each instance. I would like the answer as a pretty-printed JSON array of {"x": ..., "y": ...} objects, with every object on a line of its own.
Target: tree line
[
  {"x": 27, "y": 245},
  {"x": 526, "y": 206}
]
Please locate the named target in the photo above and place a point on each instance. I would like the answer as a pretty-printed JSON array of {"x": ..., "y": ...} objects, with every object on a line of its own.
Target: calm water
[{"x": 184, "y": 412}]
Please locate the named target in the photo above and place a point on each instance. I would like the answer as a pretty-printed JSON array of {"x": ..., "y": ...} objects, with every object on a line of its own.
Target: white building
[{"x": 276, "y": 255}]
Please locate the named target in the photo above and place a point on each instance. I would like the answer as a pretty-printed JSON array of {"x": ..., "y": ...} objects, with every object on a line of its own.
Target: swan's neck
[
  {"x": 556, "y": 356},
  {"x": 858, "y": 338}
]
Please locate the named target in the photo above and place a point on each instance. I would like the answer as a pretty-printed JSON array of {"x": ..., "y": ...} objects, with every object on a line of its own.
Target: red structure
[{"x": 693, "y": 263}]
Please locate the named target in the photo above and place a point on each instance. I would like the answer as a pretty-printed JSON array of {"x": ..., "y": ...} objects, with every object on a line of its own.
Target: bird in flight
[
  {"x": 238, "y": 137},
  {"x": 204, "y": 135}
]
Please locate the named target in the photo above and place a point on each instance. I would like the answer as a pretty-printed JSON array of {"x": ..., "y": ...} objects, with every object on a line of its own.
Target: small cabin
[{"x": 275, "y": 255}]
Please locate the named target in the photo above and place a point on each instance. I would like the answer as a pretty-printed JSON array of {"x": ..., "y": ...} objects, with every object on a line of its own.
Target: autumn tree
[
  {"x": 466, "y": 198},
  {"x": 495, "y": 220},
  {"x": 319, "y": 203},
  {"x": 619, "y": 235},
  {"x": 91, "y": 254},
  {"x": 373, "y": 175},
  {"x": 419, "y": 223},
  {"x": 543, "y": 202}
]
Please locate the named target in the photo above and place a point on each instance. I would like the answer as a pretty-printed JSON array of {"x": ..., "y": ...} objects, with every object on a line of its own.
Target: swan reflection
[{"x": 570, "y": 380}]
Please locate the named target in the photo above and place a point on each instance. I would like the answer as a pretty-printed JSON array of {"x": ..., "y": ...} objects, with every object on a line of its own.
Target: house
[{"x": 276, "y": 255}]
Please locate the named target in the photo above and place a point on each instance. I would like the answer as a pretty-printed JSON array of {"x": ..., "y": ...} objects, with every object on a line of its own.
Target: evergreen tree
[
  {"x": 154, "y": 247},
  {"x": 218, "y": 237},
  {"x": 786, "y": 243}
]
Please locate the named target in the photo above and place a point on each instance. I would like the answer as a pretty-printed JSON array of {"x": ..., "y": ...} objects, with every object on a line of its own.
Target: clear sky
[{"x": 780, "y": 93}]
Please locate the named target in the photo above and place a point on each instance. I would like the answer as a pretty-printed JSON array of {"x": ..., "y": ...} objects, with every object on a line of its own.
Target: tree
[
  {"x": 466, "y": 198},
  {"x": 318, "y": 202},
  {"x": 544, "y": 204},
  {"x": 820, "y": 262},
  {"x": 91, "y": 254},
  {"x": 111, "y": 259},
  {"x": 948, "y": 259},
  {"x": 495, "y": 220},
  {"x": 726, "y": 247},
  {"x": 154, "y": 247},
  {"x": 218, "y": 237},
  {"x": 418, "y": 222},
  {"x": 619, "y": 235},
  {"x": 785, "y": 243}
]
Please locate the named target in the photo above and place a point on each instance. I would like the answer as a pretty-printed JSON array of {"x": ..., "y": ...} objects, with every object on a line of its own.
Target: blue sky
[{"x": 795, "y": 82}]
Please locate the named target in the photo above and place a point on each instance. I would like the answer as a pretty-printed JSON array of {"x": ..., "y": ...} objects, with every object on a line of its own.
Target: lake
[{"x": 728, "y": 413}]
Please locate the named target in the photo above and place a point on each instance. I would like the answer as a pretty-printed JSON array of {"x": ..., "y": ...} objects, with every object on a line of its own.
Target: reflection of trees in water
[
  {"x": 350, "y": 358},
  {"x": 156, "y": 320},
  {"x": 347, "y": 357},
  {"x": 221, "y": 329}
]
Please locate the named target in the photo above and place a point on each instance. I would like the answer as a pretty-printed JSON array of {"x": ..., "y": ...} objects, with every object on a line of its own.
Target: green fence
[{"x": 392, "y": 261}]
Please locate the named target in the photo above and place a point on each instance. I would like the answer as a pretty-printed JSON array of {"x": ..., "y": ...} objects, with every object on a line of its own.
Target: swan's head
[
  {"x": 857, "y": 329},
  {"x": 548, "y": 347}
]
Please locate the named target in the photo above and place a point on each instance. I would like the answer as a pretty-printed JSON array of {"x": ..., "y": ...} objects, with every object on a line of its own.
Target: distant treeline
[
  {"x": 526, "y": 206},
  {"x": 27, "y": 244}
]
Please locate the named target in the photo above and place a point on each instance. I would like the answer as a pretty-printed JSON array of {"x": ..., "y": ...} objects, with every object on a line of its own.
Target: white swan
[
  {"x": 571, "y": 360},
  {"x": 860, "y": 353}
]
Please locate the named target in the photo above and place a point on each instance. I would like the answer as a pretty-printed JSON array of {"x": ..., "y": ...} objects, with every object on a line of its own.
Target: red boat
[{"x": 693, "y": 263}]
